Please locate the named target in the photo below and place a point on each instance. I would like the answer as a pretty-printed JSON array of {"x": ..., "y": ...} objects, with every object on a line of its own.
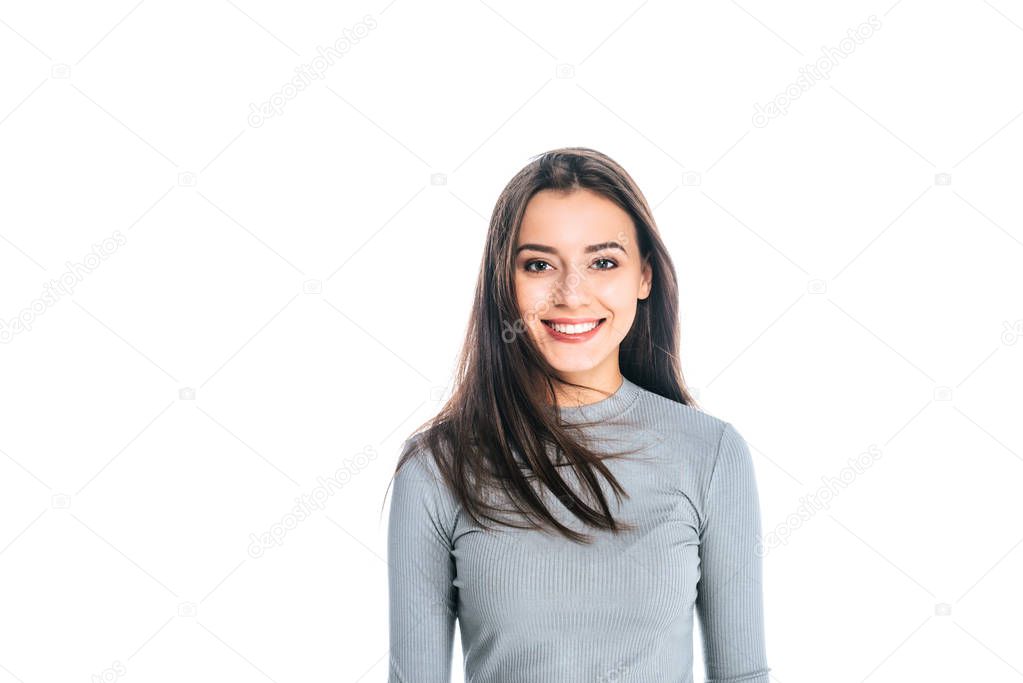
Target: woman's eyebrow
[{"x": 551, "y": 250}]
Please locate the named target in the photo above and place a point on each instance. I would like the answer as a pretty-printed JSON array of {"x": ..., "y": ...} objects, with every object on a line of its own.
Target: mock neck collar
[{"x": 605, "y": 408}]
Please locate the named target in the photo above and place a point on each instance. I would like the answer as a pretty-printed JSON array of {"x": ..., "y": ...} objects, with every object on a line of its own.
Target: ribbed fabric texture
[{"x": 534, "y": 607}]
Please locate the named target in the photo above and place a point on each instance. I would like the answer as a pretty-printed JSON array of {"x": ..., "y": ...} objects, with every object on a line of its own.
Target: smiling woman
[{"x": 507, "y": 512}]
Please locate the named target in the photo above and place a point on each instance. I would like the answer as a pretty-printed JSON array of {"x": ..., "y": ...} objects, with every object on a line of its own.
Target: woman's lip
[
  {"x": 571, "y": 321},
  {"x": 576, "y": 338}
]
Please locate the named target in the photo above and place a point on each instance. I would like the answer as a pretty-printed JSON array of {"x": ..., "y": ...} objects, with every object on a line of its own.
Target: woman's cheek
[{"x": 532, "y": 303}]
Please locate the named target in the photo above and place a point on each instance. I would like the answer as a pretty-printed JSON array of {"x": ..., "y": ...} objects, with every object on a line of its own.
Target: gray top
[{"x": 534, "y": 607}]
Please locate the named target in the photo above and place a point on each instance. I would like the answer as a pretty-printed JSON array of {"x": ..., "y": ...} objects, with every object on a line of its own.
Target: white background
[{"x": 309, "y": 280}]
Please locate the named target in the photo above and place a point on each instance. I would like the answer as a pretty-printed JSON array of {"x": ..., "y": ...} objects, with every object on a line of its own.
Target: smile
[{"x": 573, "y": 330}]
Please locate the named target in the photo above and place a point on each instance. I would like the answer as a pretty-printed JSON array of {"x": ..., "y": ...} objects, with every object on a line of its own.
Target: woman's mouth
[{"x": 573, "y": 330}]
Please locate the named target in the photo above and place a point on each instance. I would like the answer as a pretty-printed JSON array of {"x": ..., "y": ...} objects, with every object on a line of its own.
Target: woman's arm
[
  {"x": 729, "y": 598},
  {"x": 422, "y": 597}
]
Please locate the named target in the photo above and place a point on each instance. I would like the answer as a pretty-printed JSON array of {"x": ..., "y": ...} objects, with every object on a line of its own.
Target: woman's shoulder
[
  {"x": 706, "y": 449},
  {"x": 420, "y": 491},
  {"x": 420, "y": 464},
  {"x": 416, "y": 459},
  {"x": 680, "y": 420}
]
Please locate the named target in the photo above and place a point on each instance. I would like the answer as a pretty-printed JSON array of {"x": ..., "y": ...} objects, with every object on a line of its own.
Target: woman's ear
[{"x": 646, "y": 281}]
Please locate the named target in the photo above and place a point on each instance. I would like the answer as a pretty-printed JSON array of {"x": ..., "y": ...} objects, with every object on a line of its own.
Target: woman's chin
[{"x": 572, "y": 362}]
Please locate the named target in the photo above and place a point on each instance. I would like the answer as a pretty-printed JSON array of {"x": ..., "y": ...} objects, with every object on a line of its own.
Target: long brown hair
[{"x": 501, "y": 403}]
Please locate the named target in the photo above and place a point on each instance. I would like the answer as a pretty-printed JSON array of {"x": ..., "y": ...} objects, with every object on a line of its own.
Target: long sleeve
[
  {"x": 422, "y": 596},
  {"x": 729, "y": 593}
]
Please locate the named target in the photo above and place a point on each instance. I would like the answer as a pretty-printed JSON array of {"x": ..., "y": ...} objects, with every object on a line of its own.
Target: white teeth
[{"x": 573, "y": 329}]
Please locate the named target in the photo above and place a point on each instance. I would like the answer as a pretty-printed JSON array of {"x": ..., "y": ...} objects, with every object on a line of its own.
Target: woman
[{"x": 568, "y": 389}]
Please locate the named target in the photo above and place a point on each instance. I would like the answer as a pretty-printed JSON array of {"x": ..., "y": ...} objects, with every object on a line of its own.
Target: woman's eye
[
  {"x": 606, "y": 260},
  {"x": 534, "y": 263}
]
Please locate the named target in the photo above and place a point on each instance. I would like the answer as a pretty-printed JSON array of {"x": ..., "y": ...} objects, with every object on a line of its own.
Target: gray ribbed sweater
[{"x": 537, "y": 608}]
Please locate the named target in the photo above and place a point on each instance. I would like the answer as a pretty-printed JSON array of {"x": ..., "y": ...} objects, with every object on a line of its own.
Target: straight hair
[{"x": 497, "y": 431}]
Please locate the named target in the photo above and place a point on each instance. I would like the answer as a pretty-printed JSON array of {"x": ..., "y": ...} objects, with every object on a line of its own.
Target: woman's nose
[{"x": 571, "y": 290}]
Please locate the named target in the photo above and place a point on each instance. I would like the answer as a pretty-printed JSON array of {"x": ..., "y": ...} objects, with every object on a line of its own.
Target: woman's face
[{"x": 578, "y": 264}]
